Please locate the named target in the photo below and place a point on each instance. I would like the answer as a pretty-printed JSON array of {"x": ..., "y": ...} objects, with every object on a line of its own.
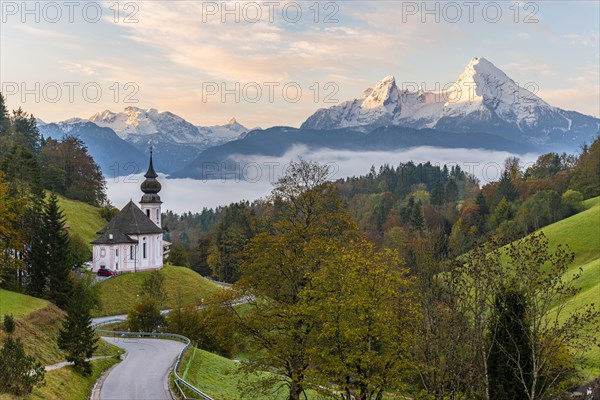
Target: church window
[
  {"x": 131, "y": 252},
  {"x": 148, "y": 213}
]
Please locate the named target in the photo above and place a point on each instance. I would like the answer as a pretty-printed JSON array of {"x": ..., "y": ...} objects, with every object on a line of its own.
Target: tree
[
  {"x": 508, "y": 338},
  {"x": 58, "y": 259},
  {"x": 506, "y": 188},
  {"x": 19, "y": 372},
  {"x": 306, "y": 217},
  {"x": 178, "y": 255},
  {"x": 68, "y": 169},
  {"x": 77, "y": 338},
  {"x": 438, "y": 194},
  {"x": 586, "y": 174},
  {"x": 513, "y": 166},
  {"x": 9, "y": 323},
  {"x": 11, "y": 238},
  {"x": 79, "y": 250},
  {"x": 484, "y": 209},
  {"x": 451, "y": 191},
  {"x": 554, "y": 338},
  {"x": 26, "y": 132},
  {"x": 153, "y": 288},
  {"x": 145, "y": 317},
  {"x": 361, "y": 301}
]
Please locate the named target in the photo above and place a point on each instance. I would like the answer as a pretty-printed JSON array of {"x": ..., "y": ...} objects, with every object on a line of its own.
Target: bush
[
  {"x": 9, "y": 323},
  {"x": 145, "y": 317}
]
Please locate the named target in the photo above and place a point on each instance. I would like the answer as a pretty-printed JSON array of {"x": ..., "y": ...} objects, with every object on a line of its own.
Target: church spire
[
  {"x": 151, "y": 186},
  {"x": 151, "y": 173}
]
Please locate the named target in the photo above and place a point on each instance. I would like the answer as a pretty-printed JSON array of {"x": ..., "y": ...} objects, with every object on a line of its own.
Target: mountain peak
[
  {"x": 232, "y": 121},
  {"x": 384, "y": 93}
]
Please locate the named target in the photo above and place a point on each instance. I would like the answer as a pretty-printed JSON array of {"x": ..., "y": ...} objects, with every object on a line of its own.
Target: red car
[{"x": 105, "y": 272}]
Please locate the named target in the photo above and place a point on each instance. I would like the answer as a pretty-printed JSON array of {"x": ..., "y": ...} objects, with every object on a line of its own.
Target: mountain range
[
  {"x": 176, "y": 142},
  {"x": 483, "y": 108},
  {"x": 483, "y": 99}
]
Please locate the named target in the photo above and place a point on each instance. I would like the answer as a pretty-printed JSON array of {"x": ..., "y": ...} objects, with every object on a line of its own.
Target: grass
[
  {"x": 38, "y": 330},
  {"x": 120, "y": 294},
  {"x": 65, "y": 383},
  {"x": 216, "y": 376},
  {"x": 581, "y": 233},
  {"x": 19, "y": 305},
  {"x": 82, "y": 218}
]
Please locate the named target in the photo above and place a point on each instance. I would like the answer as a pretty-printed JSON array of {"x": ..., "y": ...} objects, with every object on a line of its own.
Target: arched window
[{"x": 144, "y": 248}]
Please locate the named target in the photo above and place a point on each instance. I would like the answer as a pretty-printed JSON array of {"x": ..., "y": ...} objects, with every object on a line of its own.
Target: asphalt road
[{"x": 144, "y": 373}]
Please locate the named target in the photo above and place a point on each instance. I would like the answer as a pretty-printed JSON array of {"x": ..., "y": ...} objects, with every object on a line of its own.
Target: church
[{"x": 133, "y": 239}]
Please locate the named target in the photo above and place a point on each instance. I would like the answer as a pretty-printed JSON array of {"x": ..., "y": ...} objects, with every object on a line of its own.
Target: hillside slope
[
  {"x": 581, "y": 233},
  {"x": 120, "y": 294},
  {"x": 82, "y": 218}
]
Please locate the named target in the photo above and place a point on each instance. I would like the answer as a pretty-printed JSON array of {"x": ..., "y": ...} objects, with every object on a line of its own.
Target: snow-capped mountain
[
  {"x": 176, "y": 141},
  {"x": 115, "y": 156},
  {"x": 483, "y": 99},
  {"x": 136, "y": 125},
  {"x": 219, "y": 134}
]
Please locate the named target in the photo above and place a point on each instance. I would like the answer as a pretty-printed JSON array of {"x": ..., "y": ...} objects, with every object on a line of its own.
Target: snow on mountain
[
  {"x": 176, "y": 141},
  {"x": 219, "y": 134},
  {"x": 483, "y": 99},
  {"x": 135, "y": 125}
]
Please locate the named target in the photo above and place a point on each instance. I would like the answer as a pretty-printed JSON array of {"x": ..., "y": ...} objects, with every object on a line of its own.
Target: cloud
[{"x": 183, "y": 195}]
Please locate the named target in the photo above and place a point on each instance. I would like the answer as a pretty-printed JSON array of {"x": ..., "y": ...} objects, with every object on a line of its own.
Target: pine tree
[
  {"x": 438, "y": 194},
  {"x": 58, "y": 260},
  {"x": 77, "y": 337},
  {"x": 506, "y": 188},
  {"x": 451, "y": 190},
  {"x": 9, "y": 323},
  {"x": 509, "y": 340},
  {"x": 37, "y": 253},
  {"x": 19, "y": 373},
  {"x": 416, "y": 217},
  {"x": 4, "y": 117},
  {"x": 25, "y": 131},
  {"x": 482, "y": 204}
]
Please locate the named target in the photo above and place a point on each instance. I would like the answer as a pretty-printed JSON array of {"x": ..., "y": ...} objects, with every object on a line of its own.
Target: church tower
[{"x": 150, "y": 203}]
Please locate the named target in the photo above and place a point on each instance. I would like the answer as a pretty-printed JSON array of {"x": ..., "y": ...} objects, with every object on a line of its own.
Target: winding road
[{"x": 144, "y": 374}]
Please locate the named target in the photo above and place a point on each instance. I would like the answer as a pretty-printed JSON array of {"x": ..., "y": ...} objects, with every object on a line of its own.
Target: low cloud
[{"x": 183, "y": 195}]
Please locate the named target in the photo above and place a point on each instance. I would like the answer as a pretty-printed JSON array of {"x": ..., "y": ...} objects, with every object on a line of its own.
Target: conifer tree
[
  {"x": 509, "y": 339},
  {"x": 58, "y": 259},
  {"x": 438, "y": 194},
  {"x": 506, "y": 188},
  {"x": 19, "y": 373},
  {"x": 77, "y": 337},
  {"x": 484, "y": 209}
]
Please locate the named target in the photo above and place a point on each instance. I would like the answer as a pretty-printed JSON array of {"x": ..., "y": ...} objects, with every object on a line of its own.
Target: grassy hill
[
  {"x": 19, "y": 305},
  {"x": 120, "y": 294},
  {"x": 82, "y": 218},
  {"x": 581, "y": 233},
  {"x": 216, "y": 376},
  {"x": 65, "y": 383},
  {"x": 37, "y": 325}
]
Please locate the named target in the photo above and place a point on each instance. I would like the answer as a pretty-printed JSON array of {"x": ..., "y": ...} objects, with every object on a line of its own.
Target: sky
[{"x": 276, "y": 62}]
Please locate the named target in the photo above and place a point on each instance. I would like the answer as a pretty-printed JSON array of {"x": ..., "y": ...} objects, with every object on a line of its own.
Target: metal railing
[{"x": 186, "y": 340}]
